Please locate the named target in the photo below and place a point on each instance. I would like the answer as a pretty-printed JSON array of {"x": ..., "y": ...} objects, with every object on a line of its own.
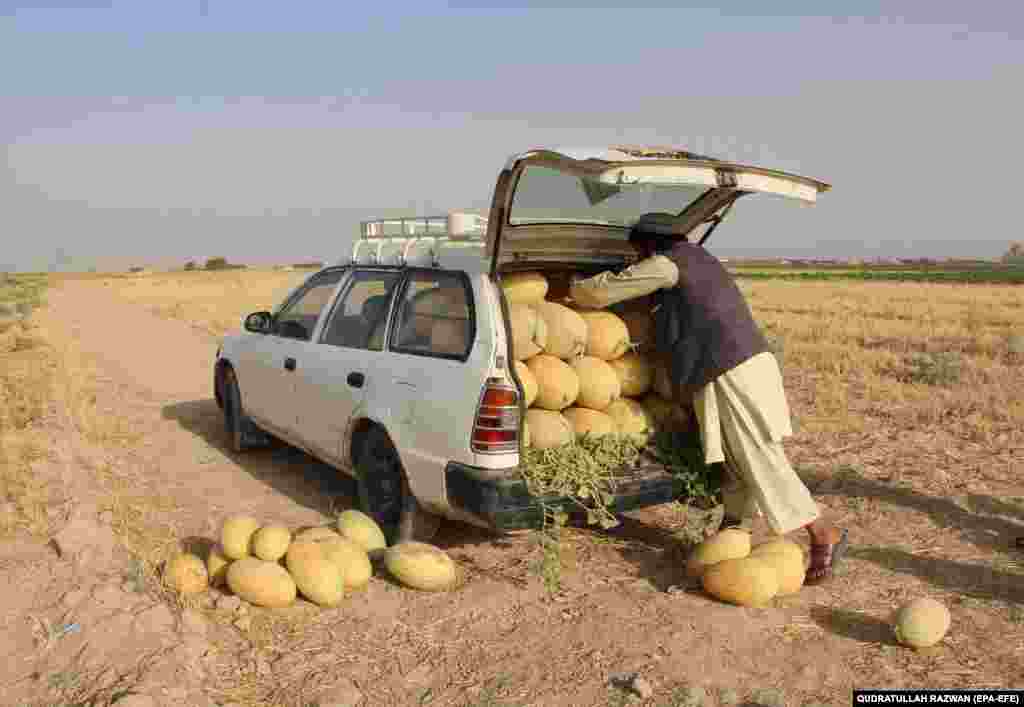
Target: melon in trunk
[
  {"x": 524, "y": 433},
  {"x": 557, "y": 383},
  {"x": 525, "y": 376},
  {"x": 524, "y": 287},
  {"x": 548, "y": 428},
  {"x": 787, "y": 558},
  {"x": 529, "y": 332},
  {"x": 262, "y": 583},
  {"x": 236, "y": 536},
  {"x": 316, "y": 576},
  {"x": 587, "y": 421},
  {"x": 421, "y": 566},
  {"x": 630, "y": 419},
  {"x": 728, "y": 544},
  {"x": 635, "y": 373},
  {"x": 607, "y": 335},
  {"x": 186, "y": 574},
  {"x": 745, "y": 581},
  {"x": 599, "y": 386},
  {"x": 362, "y": 529},
  {"x": 217, "y": 566},
  {"x": 271, "y": 542},
  {"x": 921, "y": 623},
  {"x": 566, "y": 330}
]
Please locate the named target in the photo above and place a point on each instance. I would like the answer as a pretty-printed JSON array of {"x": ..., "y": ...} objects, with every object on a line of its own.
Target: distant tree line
[
  {"x": 1015, "y": 255},
  {"x": 215, "y": 263}
]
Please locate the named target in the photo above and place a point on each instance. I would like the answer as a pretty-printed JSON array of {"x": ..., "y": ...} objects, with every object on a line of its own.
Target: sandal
[{"x": 825, "y": 558}]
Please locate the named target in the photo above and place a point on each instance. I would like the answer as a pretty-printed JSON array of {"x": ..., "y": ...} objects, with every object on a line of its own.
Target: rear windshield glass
[{"x": 546, "y": 195}]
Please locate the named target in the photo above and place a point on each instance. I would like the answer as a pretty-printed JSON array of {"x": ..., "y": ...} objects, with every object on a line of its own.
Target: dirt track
[{"x": 498, "y": 637}]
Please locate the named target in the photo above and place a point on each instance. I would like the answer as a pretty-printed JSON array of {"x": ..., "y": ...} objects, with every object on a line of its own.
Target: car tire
[
  {"x": 243, "y": 434},
  {"x": 384, "y": 492}
]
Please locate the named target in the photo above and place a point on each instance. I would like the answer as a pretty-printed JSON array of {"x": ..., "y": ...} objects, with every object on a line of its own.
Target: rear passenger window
[
  {"x": 360, "y": 318},
  {"x": 435, "y": 316}
]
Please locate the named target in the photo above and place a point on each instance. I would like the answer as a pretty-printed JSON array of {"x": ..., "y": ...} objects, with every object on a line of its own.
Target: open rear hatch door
[{"x": 577, "y": 206}]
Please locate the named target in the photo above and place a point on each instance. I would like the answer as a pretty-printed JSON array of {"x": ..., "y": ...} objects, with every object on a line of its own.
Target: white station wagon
[{"x": 394, "y": 365}]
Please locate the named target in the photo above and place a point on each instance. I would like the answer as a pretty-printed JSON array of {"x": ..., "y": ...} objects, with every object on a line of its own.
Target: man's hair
[{"x": 657, "y": 231}]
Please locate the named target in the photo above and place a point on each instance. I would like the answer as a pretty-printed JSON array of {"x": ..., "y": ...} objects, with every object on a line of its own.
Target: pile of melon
[
  {"x": 584, "y": 371},
  {"x": 732, "y": 571},
  {"x": 270, "y": 566}
]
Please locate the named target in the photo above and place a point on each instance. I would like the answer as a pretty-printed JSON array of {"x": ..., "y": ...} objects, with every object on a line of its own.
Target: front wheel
[
  {"x": 384, "y": 492},
  {"x": 242, "y": 432}
]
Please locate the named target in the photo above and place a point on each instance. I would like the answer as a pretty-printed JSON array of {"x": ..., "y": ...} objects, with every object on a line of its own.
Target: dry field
[{"x": 909, "y": 400}]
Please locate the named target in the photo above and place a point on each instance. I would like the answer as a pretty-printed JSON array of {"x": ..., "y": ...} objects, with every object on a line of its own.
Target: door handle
[
  {"x": 289, "y": 364},
  {"x": 356, "y": 379}
]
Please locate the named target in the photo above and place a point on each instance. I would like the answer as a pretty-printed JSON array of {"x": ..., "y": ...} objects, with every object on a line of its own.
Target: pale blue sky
[{"x": 152, "y": 132}]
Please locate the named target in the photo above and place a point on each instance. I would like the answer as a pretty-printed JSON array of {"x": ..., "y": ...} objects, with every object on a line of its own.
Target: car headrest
[{"x": 374, "y": 308}]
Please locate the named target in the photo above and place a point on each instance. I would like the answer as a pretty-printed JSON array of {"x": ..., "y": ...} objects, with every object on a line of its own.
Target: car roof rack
[{"x": 408, "y": 232}]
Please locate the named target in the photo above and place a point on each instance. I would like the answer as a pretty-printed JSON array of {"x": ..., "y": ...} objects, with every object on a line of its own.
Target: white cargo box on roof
[{"x": 420, "y": 241}]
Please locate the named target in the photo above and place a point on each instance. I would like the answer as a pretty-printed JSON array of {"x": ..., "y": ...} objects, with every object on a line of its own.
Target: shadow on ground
[{"x": 293, "y": 473}]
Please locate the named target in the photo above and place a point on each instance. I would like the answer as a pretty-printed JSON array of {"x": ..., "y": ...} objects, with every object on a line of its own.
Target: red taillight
[{"x": 496, "y": 428}]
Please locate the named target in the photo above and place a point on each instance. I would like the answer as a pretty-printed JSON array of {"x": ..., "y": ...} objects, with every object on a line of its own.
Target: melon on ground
[
  {"x": 587, "y": 421},
  {"x": 727, "y": 544},
  {"x": 787, "y": 558},
  {"x": 316, "y": 576},
  {"x": 557, "y": 383},
  {"x": 524, "y": 287},
  {"x": 349, "y": 556},
  {"x": 271, "y": 542},
  {"x": 548, "y": 428},
  {"x": 421, "y": 566},
  {"x": 921, "y": 623},
  {"x": 529, "y": 331},
  {"x": 362, "y": 529},
  {"x": 745, "y": 581},
  {"x": 262, "y": 583},
  {"x": 186, "y": 574},
  {"x": 217, "y": 566},
  {"x": 316, "y": 534},
  {"x": 607, "y": 335},
  {"x": 635, "y": 373},
  {"x": 630, "y": 419},
  {"x": 236, "y": 536},
  {"x": 566, "y": 330},
  {"x": 598, "y": 384},
  {"x": 526, "y": 377}
]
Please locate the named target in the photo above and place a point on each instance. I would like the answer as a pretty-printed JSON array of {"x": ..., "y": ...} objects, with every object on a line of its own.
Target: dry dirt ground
[{"x": 139, "y": 457}]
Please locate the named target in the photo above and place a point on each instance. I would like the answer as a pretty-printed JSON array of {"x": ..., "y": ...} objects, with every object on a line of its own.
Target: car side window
[
  {"x": 435, "y": 316},
  {"x": 359, "y": 320},
  {"x": 298, "y": 318}
]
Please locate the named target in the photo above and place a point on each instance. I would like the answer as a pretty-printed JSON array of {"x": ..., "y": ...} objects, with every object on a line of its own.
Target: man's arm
[{"x": 641, "y": 278}]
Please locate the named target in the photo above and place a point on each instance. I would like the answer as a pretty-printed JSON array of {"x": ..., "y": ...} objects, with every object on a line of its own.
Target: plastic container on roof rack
[{"x": 402, "y": 241}]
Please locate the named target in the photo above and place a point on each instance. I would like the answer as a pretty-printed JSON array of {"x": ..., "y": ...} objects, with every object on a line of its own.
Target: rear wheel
[
  {"x": 243, "y": 434},
  {"x": 384, "y": 492}
]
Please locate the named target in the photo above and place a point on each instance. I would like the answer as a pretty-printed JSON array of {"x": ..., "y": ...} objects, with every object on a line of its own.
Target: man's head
[{"x": 654, "y": 232}]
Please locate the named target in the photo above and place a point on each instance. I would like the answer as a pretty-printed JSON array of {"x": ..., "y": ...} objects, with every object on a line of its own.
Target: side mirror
[{"x": 258, "y": 322}]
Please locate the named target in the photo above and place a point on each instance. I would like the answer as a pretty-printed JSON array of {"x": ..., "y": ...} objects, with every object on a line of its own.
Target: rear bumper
[{"x": 506, "y": 504}]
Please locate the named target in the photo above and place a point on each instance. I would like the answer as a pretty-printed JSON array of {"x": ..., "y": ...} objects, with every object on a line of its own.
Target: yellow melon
[
  {"x": 186, "y": 574},
  {"x": 350, "y": 557},
  {"x": 662, "y": 382},
  {"x": 587, "y": 421},
  {"x": 526, "y": 377},
  {"x": 317, "y": 533},
  {"x": 524, "y": 287},
  {"x": 558, "y": 386},
  {"x": 361, "y": 528},
  {"x": 529, "y": 331},
  {"x": 217, "y": 566},
  {"x": 661, "y": 410},
  {"x": 236, "y": 536},
  {"x": 921, "y": 623},
  {"x": 631, "y": 419},
  {"x": 599, "y": 386},
  {"x": 787, "y": 558},
  {"x": 635, "y": 373},
  {"x": 746, "y": 581},
  {"x": 262, "y": 583},
  {"x": 525, "y": 433},
  {"x": 548, "y": 428},
  {"x": 421, "y": 566},
  {"x": 728, "y": 544},
  {"x": 566, "y": 330},
  {"x": 316, "y": 576},
  {"x": 271, "y": 542},
  {"x": 607, "y": 335}
]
